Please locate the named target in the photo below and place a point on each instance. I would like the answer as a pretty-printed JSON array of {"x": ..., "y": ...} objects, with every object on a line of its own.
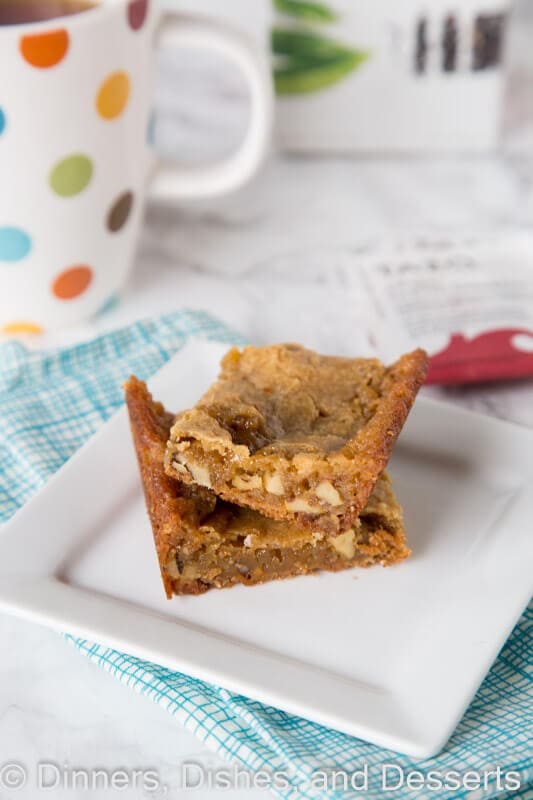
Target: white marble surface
[{"x": 264, "y": 260}]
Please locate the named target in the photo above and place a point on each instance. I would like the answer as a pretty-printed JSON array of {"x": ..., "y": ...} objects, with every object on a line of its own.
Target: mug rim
[{"x": 81, "y": 18}]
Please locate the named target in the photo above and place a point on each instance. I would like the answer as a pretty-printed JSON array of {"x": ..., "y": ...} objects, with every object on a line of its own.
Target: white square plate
[{"x": 389, "y": 655}]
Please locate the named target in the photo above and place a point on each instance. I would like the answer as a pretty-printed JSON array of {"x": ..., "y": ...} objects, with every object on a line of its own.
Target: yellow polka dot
[
  {"x": 113, "y": 95},
  {"x": 18, "y": 328}
]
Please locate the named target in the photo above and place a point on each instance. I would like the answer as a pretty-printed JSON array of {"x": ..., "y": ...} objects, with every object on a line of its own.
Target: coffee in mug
[{"x": 16, "y": 12}]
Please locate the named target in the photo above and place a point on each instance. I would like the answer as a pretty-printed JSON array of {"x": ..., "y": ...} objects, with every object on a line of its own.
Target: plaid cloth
[{"x": 49, "y": 404}]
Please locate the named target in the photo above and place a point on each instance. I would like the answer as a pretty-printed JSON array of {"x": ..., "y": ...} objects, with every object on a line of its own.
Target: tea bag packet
[
  {"x": 466, "y": 300},
  {"x": 389, "y": 77}
]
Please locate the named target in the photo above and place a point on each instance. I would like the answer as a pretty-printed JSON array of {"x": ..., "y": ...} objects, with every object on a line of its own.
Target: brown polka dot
[
  {"x": 72, "y": 282},
  {"x": 119, "y": 212},
  {"x": 137, "y": 10}
]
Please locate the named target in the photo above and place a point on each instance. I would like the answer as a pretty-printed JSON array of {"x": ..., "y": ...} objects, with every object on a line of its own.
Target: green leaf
[
  {"x": 312, "y": 12},
  {"x": 301, "y": 78},
  {"x": 308, "y": 62},
  {"x": 303, "y": 44}
]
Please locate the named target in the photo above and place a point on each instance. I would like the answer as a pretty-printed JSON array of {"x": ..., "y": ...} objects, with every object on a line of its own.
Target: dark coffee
[{"x": 14, "y": 12}]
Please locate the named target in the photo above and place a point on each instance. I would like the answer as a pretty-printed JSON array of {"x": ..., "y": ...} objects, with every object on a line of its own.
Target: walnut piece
[
  {"x": 327, "y": 492},
  {"x": 200, "y": 474},
  {"x": 299, "y": 504},
  {"x": 247, "y": 482},
  {"x": 274, "y": 484},
  {"x": 344, "y": 544}
]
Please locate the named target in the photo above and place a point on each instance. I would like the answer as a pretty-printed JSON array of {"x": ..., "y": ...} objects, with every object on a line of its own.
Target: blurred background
[{"x": 417, "y": 143}]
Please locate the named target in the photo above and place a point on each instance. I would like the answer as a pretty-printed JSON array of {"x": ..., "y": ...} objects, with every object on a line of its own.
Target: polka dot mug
[{"x": 75, "y": 97}]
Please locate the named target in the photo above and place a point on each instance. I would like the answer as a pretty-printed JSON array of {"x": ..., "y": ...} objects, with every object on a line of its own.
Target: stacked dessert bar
[{"x": 279, "y": 468}]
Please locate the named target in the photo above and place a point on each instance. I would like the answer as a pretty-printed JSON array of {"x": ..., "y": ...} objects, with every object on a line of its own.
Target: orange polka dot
[
  {"x": 72, "y": 282},
  {"x": 45, "y": 49},
  {"x": 113, "y": 95},
  {"x": 17, "y": 328}
]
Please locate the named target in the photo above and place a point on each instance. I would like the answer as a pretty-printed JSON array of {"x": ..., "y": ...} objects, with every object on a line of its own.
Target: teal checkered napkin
[{"x": 50, "y": 403}]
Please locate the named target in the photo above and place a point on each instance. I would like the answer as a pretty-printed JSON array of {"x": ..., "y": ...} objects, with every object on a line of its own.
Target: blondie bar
[
  {"x": 203, "y": 542},
  {"x": 295, "y": 435}
]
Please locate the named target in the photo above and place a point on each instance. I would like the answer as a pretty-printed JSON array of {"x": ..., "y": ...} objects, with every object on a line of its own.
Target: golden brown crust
[
  {"x": 295, "y": 435},
  {"x": 166, "y": 501},
  {"x": 203, "y": 542}
]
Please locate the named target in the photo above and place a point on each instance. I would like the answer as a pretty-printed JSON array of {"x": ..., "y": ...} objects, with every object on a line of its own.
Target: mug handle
[{"x": 171, "y": 181}]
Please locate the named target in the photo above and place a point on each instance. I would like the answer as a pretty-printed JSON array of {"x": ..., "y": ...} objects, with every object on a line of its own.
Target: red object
[
  {"x": 488, "y": 357},
  {"x": 137, "y": 10}
]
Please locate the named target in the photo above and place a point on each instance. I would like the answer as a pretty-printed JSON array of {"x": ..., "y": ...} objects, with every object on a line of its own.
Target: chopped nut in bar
[{"x": 296, "y": 435}]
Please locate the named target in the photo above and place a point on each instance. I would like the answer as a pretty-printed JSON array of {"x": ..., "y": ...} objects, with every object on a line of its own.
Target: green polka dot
[{"x": 71, "y": 175}]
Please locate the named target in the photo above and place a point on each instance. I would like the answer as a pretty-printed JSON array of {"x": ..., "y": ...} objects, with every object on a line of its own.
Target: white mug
[{"x": 75, "y": 104}]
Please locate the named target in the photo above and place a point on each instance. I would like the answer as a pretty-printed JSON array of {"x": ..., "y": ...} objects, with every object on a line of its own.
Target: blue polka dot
[
  {"x": 110, "y": 303},
  {"x": 2, "y": 121},
  {"x": 14, "y": 244}
]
